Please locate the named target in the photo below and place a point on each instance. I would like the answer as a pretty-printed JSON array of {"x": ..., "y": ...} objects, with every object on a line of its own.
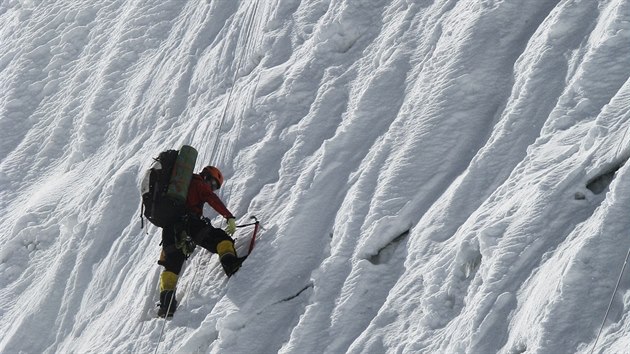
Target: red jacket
[{"x": 199, "y": 192}]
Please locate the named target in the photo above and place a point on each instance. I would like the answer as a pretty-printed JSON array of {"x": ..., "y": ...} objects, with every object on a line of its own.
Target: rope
[
  {"x": 239, "y": 64},
  {"x": 215, "y": 153},
  {"x": 625, "y": 262},
  {"x": 215, "y": 146},
  {"x": 170, "y": 303},
  {"x": 623, "y": 268},
  {"x": 244, "y": 52},
  {"x": 250, "y": 24}
]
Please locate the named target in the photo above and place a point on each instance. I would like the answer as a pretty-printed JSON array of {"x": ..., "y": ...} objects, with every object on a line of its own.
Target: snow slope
[{"x": 432, "y": 176}]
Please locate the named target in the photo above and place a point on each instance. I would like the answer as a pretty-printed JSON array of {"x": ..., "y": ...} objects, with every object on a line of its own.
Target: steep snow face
[{"x": 431, "y": 176}]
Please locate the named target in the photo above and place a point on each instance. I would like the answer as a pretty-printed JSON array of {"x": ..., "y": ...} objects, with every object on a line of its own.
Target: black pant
[{"x": 202, "y": 233}]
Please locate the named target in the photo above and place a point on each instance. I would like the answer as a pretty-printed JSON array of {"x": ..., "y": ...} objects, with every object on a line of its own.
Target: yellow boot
[
  {"x": 168, "y": 303},
  {"x": 227, "y": 255}
]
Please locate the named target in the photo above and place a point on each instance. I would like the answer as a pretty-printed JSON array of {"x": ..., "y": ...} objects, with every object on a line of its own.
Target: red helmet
[{"x": 213, "y": 175}]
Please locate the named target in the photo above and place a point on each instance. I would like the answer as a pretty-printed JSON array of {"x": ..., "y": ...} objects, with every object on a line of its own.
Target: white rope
[
  {"x": 215, "y": 146},
  {"x": 168, "y": 309},
  {"x": 216, "y": 154},
  {"x": 239, "y": 64},
  {"x": 170, "y": 303},
  {"x": 625, "y": 262},
  {"x": 623, "y": 268}
]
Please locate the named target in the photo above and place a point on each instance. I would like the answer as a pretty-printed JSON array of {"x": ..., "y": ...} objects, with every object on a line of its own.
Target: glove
[{"x": 231, "y": 226}]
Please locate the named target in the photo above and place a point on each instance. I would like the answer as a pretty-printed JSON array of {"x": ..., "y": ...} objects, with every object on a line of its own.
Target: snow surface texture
[{"x": 432, "y": 176}]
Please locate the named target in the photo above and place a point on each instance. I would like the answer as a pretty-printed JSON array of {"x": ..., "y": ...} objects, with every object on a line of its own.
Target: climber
[{"x": 180, "y": 239}]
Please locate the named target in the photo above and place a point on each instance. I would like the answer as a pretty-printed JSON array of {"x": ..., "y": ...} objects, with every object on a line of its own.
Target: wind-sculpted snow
[{"x": 431, "y": 176}]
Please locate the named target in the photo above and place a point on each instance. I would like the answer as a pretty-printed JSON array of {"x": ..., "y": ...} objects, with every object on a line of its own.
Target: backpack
[{"x": 165, "y": 186}]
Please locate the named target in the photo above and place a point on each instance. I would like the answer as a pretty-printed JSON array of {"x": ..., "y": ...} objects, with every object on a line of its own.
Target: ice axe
[{"x": 256, "y": 225}]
